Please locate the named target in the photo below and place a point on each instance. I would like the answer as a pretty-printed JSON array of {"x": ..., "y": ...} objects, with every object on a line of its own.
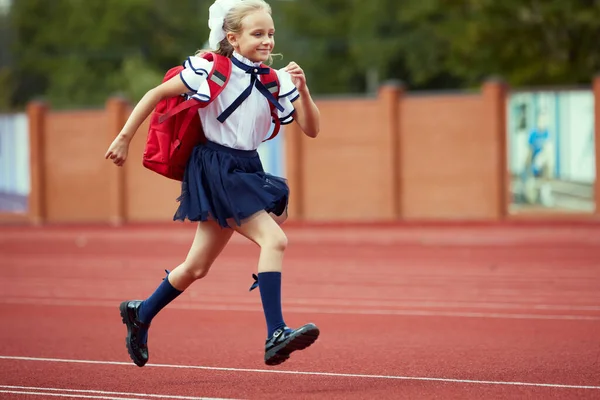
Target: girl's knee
[
  {"x": 195, "y": 270},
  {"x": 276, "y": 240}
]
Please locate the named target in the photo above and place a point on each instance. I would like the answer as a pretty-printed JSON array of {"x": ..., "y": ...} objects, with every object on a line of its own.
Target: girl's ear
[{"x": 232, "y": 39}]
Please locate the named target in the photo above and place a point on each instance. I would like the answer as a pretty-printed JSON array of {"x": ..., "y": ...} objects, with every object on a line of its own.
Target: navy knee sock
[
  {"x": 269, "y": 284},
  {"x": 163, "y": 295}
]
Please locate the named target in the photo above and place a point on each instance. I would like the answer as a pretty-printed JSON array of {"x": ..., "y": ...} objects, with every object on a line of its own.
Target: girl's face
[{"x": 256, "y": 40}]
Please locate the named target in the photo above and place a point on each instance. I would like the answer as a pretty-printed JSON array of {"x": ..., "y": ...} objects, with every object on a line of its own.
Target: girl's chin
[{"x": 259, "y": 56}]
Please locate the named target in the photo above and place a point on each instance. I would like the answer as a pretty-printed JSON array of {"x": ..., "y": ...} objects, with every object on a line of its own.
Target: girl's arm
[
  {"x": 307, "y": 113},
  {"x": 120, "y": 146}
]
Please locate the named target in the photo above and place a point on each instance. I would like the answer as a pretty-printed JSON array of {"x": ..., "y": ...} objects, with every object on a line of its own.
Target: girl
[{"x": 225, "y": 188}]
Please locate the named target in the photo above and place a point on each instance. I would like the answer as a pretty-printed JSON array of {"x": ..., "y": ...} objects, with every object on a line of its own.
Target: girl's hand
[
  {"x": 297, "y": 75},
  {"x": 118, "y": 150}
]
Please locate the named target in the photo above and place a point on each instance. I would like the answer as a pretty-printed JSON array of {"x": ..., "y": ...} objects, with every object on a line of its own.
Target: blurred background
[
  {"x": 461, "y": 109},
  {"x": 445, "y": 219}
]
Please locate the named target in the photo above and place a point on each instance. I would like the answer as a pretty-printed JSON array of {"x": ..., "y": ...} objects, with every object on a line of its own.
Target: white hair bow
[{"x": 216, "y": 17}]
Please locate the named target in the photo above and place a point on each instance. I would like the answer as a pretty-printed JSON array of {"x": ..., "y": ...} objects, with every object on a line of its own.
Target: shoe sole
[
  {"x": 300, "y": 341},
  {"x": 125, "y": 319}
]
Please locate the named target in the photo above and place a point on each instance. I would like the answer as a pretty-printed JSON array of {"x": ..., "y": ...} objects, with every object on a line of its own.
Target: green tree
[
  {"x": 531, "y": 42},
  {"x": 336, "y": 41},
  {"x": 5, "y": 89},
  {"x": 79, "y": 52},
  {"x": 445, "y": 43},
  {"x": 6, "y": 86},
  {"x": 350, "y": 45},
  {"x": 76, "y": 53}
]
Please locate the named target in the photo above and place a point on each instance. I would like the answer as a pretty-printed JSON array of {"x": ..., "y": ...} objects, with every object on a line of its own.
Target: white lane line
[
  {"x": 77, "y": 396},
  {"x": 310, "y": 373},
  {"x": 102, "y": 392}
]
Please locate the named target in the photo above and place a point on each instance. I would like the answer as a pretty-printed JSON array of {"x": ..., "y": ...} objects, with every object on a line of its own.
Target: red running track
[{"x": 450, "y": 312}]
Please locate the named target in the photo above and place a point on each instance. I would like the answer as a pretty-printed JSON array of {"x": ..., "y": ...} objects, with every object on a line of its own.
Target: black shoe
[
  {"x": 285, "y": 341},
  {"x": 137, "y": 351}
]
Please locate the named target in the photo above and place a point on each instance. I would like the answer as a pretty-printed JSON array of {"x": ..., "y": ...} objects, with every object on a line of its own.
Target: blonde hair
[{"x": 233, "y": 23}]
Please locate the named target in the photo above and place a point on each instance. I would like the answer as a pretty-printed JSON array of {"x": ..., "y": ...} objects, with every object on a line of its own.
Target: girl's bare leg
[
  {"x": 209, "y": 242},
  {"x": 263, "y": 230},
  {"x": 137, "y": 315}
]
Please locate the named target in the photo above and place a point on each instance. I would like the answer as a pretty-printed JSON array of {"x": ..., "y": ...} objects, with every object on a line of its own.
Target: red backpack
[{"x": 175, "y": 127}]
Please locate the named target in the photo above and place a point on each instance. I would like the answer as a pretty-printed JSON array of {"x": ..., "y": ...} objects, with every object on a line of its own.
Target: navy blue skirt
[{"x": 225, "y": 184}]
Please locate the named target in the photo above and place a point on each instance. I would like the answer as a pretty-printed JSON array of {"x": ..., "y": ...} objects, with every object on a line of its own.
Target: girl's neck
[{"x": 245, "y": 60}]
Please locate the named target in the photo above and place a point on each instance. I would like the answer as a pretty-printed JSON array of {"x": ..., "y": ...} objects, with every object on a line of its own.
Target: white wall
[{"x": 14, "y": 154}]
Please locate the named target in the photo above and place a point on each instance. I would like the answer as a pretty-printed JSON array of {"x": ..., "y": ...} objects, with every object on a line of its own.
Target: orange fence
[{"x": 397, "y": 156}]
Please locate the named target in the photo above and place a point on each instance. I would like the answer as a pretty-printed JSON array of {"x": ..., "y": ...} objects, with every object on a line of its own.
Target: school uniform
[{"x": 224, "y": 178}]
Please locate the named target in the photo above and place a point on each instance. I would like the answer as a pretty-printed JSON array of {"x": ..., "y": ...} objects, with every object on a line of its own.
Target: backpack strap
[
  {"x": 217, "y": 80},
  {"x": 181, "y": 107},
  {"x": 220, "y": 74},
  {"x": 271, "y": 82}
]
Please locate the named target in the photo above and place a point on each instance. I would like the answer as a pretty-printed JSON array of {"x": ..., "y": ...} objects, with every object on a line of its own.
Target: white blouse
[{"x": 251, "y": 122}]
